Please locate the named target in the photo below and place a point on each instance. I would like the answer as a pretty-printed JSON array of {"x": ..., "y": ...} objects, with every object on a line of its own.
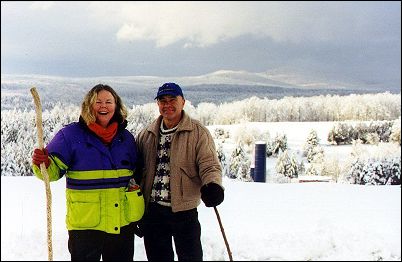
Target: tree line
[{"x": 18, "y": 132}]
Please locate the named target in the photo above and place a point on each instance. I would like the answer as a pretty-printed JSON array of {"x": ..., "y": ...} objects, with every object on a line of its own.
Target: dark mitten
[
  {"x": 137, "y": 229},
  {"x": 41, "y": 156},
  {"x": 212, "y": 194}
]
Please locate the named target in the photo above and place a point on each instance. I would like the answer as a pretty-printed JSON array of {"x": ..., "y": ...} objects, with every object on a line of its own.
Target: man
[{"x": 180, "y": 166}]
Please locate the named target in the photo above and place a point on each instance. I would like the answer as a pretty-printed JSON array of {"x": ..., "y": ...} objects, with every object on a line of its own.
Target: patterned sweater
[{"x": 161, "y": 187}]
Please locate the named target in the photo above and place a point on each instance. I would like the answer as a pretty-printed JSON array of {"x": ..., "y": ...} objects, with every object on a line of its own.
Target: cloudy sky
[{"x": 347, "y": 41}]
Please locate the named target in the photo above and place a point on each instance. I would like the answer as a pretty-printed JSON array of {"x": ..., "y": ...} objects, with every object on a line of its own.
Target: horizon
[
  {"x": 267, "y": 78},
  {"x": 217, "y": 87}
]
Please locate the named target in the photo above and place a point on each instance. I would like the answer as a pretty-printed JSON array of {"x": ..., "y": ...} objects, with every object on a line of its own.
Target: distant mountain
[
  {"x": 221, "y": 93},
  {"x": 217, "y": 87}
]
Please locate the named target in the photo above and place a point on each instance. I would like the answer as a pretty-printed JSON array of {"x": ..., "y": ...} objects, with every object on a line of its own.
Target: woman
[{"x": 98, "y": 157}]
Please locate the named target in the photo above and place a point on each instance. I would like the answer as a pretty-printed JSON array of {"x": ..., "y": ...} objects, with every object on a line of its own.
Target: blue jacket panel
[{"x": 81, "y": 150}]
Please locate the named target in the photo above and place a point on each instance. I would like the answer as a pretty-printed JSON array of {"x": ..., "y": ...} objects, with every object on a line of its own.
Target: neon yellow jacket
[{"x": 96, "y": 178}]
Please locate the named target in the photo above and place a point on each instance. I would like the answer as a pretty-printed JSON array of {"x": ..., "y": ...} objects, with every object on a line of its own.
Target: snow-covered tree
[
  {"x": 280, "y": 143},
  {"x": 222, "y": 159},
  {"x": 312, "y": 139},
  {"x": 311, "y": 170},
  {"x": 205, "y": 113},
  {"x": 220, "y": 133},
  {"x": 287, "y": 165},
  {"x": 245, "y": 135},
  {"x": 311, "y": 149},
  {"x": 340, "y": 133},
  {"x": 375, "y": 172},
  {"x": 139, "y": 116},
  {"x": 239, "y": 167},
  {"x": 18, "y": 131},
  {"x": 396, "y": 131},
  {"x": 331, "y": 168}
]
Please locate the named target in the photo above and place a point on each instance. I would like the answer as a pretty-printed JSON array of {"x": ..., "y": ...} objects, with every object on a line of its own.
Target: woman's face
[{"x": 104, "y": 107}]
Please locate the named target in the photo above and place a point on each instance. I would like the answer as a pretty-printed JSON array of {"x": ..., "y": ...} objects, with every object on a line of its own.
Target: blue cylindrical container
[
  {"x": 252, "y": 172},
  {"x": 260, "y": 162}
]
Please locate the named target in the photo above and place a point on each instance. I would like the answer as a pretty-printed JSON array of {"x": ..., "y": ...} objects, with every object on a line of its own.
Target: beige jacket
[{"x": 193, "y": 161}]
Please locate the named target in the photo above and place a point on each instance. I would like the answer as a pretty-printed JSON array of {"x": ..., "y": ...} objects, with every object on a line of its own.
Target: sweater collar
[{"x": 185, "y": 124}]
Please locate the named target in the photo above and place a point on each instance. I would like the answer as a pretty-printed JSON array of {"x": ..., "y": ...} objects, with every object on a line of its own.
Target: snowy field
[
  {"x": 297, "y": 134},
  {"x": 262, "y": 221},
  {"x": 308, "y": 221}
]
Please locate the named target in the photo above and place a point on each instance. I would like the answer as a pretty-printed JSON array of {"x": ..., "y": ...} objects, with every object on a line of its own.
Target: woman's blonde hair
[{"x": 87, "y": 113}]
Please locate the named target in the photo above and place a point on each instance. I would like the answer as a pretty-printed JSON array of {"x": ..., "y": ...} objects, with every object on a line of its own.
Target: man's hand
[
  {"x": 212, "y": 194},
  {"x": 137, "y": 229}
]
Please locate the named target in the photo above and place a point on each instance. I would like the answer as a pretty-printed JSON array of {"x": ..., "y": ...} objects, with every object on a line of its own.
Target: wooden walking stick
[
  {"x": 38, "y": 109},
  {"x": 223, "y": 234}
]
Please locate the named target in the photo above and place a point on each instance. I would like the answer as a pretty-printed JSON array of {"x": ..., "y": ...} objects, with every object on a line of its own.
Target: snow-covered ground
[{"x": 262, "y": 221}]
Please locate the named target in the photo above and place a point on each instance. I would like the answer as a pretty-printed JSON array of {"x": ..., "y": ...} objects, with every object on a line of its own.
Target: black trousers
[
  {"x": 160, "y": 225},
  {"x": 90, "y": 245}
]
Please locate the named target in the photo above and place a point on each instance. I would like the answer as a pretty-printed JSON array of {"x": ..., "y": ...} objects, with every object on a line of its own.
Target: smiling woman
[
  {"x": 104, "y": 108},
  {"x": 101, "y": 213}
]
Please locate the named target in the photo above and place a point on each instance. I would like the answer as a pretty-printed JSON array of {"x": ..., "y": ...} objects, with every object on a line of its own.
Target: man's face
[{"x": 170, "y": 107}]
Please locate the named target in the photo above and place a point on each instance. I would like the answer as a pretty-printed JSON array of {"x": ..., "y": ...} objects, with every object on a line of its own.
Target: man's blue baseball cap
[{"x": 171, "y": 89}]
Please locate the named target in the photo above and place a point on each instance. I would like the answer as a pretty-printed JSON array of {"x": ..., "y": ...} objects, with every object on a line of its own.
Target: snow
[{"x": 262, "y": 221}]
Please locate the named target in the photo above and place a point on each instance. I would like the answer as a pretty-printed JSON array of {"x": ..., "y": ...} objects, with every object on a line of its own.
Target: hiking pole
[
  {"x": 223, "y": 234},
  {"x": 38, "y": 109}
]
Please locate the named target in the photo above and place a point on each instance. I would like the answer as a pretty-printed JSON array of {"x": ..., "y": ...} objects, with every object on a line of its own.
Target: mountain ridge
[{"x": 216, "y": 87}]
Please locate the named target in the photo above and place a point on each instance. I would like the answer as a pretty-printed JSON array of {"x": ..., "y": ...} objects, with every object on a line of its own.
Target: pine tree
[
  {"x": 239, "y": 167},
  {"x": 396, "y": 132},
  {"x": 311, "y": 149},
  {"x": 222, "y": 159},
  {"x": 375, "y": 172},
  {"x": 280, "y": 143},
  {"x": 287, "y": 165}
]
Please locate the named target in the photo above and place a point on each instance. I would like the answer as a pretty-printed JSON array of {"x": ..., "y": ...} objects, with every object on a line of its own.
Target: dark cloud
[{"x": 356, "y": 42}]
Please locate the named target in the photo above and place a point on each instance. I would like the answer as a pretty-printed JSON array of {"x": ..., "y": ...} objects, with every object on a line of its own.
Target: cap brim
[{"x": 167, "y": 94}]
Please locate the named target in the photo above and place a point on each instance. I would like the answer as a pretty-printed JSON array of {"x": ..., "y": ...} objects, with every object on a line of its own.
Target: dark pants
[
  {"x": 160, "y": 224},
  {"x": 87, "y": 245}
]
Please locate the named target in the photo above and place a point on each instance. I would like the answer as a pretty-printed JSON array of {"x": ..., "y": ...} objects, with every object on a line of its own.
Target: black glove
[
  {"x": 212, "y": 194},
  {"x": 137, "y": 230}
]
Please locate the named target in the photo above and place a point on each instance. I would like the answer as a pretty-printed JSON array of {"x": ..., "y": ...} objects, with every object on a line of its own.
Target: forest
[{"x": 377, "y": 117}]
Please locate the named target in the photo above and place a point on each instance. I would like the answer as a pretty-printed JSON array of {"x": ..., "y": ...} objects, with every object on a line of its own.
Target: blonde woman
[{"x": 98, "y": 157}]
